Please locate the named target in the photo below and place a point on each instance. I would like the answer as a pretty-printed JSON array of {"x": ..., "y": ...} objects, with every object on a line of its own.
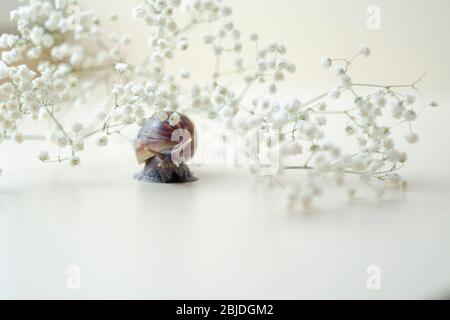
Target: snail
[{"x": 164, "y": 148}]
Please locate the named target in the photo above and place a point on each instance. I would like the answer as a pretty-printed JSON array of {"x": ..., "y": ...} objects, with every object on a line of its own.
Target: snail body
[{"x": 164, "y": 148}]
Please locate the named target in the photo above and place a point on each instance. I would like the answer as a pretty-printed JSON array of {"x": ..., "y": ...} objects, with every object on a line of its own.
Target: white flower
[
  {"x": 4, "y": 70},
  {"x": 240, "y": 122},
  {"x": 365, "y": 51},
  {"x": 227, "y": 112},
  {"x": 397, "y": 110},
  {"x": 359, "y": 163},
  {"x": 293, "y": 106},
  {"x": 62, "y": 141},
  {"x": 389, "y": 144},
  {"x": 289, "y": 148},
  {"x": 102, "y": 141},
  {"x": 249, "y": 79},
  {"x": 78, "y": 146},
  {"x": 291, "y": 68},
  {"x": 125, "y": 39},
  {"x": 322, "y": 162},
  {"x": 321, "y": 121},
  {"x": 279, "y": 119},
  {"x": 273, "y": 88},
  {"x": 229, "y": 26},
  {"x": 393, "y": 155},
  {"x": 19, "y": 138},
  {"x": 346, "y": 80},
  {"x": 121, "y": 67},
  {"x": 296, "y": 149},
  {"x": 339, "y": 71},
  {"x": 101, "y": 115},
  {"x": 434, "y": 104},
  {"x": 255, "y": 121},
  {"x": 185, "y": 74},
  {"x": 227, "y": 11},
  {"x": 334, "y": 94},
  {"x": 7, "y": 89},
  {"x": 208, "y": 38},
  {"x": 282, "y": 49},
  {"x": 322, "y": 106},
  {"x": 8, "y": 41},
  {"x": 44, "y": 156},
  {"x": 218, "y": 50},
  {"x": 409, "y": 115},
  {"x": 379, "y": 100},
  {"x": 410, "y": 99},
  {"x": 254, "y": 37},
  {"x": 412, "y": 138},
  {"x": 273, "y": 47},
  {"x": 113, "y": 16},
  {"x": 279, "y": 76},
  {"x": 75, "y": 161},
  {"x": 34, "y": 53},
  {"x": 162, "y": 116},
  {"x": 325, "y": 62},
  {"x": 349, "y": 130},
  {"x": 139, "y": 12},
  {"x": 174, "y": 119},
  {"x": 47, "y": 41},
  {"x": 403, "y": 157}
]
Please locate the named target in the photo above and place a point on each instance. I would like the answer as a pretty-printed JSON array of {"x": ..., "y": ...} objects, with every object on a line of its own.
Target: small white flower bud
[
  {"x": 325, "y": 62},
  {"x": 100, "y": 115},
  {"x": 349, "y": 130},
  {"x": 434, "y": 104},
  {"x": 185, "y": 73},
  {"x": 412, "y": 138},
  {"x": 121, "y": 67},
  {"x": 174, "y": 119},
  {"x": 334, "y": 94},
  {"x": 62, "y": 141},
  {"x": 339, "y": 71},
  {"x": 254, "y": 37},
  {"x": 208, "y": 38},
  {"x": 346, "y": 80},
  {"x": 409, "y": 115},
  {"x": 365, "y": 51},
  {"x": 273, "y": 88},
  {"x": 44, "y": 156},
  {"x": 78, "y": 146},
  {"x": 322, "y": 106},
  {"x": 19, "y": 138},
  {"x": 102, "y": 141},
  {"x": 75, "y": 161},
  {"x": 410, "y": 99}
]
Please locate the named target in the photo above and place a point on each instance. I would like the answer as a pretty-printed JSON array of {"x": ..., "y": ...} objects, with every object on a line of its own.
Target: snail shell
[
  {"x": 158, "y": 138},
  {"x": 164, "y": 149}
]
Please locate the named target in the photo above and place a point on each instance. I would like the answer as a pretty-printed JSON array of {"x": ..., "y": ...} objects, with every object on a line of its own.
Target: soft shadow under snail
[{"x": 164, "y": 149}]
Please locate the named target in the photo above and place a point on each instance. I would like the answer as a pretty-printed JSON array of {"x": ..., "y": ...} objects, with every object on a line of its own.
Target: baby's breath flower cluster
[
  {"x": 300, "y": 126},
  {"x": 64, "y": 52},
  {"x": 46, "y": 68}
]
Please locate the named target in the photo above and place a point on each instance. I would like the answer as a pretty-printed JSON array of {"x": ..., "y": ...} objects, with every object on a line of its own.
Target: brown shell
[{"x": 156, "y": 138}]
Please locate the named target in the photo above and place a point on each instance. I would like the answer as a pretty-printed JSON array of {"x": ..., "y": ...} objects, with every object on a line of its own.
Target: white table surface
[{"x": 221, "y": 237}]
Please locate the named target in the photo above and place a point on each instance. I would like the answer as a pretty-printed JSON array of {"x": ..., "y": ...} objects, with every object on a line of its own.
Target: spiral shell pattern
[{"x": 158, "y": 138}]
